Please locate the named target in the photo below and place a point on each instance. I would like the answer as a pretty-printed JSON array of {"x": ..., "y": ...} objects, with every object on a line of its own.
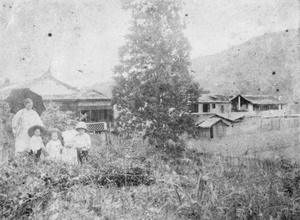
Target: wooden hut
[{"x": 213, "y": 127}]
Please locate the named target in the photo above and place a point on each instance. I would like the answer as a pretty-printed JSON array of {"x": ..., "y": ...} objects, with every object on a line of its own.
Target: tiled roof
[
  {"x": 46, "y": 82},
  {"x": 32, "y": 82},
  {"x": 88, "y": 94}
]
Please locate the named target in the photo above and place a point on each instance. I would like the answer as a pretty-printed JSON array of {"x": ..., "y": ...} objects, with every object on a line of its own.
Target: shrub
[{"x": 53, "y": 117}]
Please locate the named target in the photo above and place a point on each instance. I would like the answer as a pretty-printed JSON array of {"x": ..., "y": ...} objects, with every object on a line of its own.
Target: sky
[{"x": 80, "y": 39}]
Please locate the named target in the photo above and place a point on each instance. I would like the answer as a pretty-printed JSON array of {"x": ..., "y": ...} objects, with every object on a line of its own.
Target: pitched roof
[
  {"x": 210, "y": 122},
  {"x": 208, "y": 98},
  {"x": 260, "y": 99},
  {"x": 87, "y": 94},
  {"x": 234, "y": 116},
  {"x": 45, "y": 85},
  {"x": 201, "y": 118},
  {"x": 32, "y": 82}
]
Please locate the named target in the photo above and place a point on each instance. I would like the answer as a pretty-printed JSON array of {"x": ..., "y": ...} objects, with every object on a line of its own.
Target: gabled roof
[
  {"x": 208, "y": 98},
  {"x": 260, "y": 99},
  {"x": 201, "y": 118},
  {"x": 32, "y": 82},
  {"x": 46, "y": 85},
  {"x": 211, "y": 121},
  {"x": 234, "y": 116}
]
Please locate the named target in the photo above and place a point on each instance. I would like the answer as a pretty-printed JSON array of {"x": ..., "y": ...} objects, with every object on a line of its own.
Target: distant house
[
  {"x": 214, "y": 113},
  {"x": 228, "y": 106},
  {"x": 90, "y": 106},
  {"x": 255, "y": 104},
  {"x": 207, "y": 104}
]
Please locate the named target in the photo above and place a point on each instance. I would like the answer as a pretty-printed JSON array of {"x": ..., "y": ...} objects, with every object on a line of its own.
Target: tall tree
[{"x": 153, "y": 83}]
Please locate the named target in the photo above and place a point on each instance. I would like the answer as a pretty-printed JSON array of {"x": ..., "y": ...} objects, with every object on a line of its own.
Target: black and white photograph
[{"x": 149, "y": 110}]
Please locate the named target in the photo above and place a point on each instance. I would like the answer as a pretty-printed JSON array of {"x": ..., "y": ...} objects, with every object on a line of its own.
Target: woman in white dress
[
  {"x": 69, "y": 153},
  {"x": 22, "y": 121}
]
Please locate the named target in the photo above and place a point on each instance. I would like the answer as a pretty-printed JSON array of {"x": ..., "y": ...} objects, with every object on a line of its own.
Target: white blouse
[
  {"x": 69, "y": 137},
  {"x": 36, "y": 143},
  {"x": 82, "y": 142},
  {"x": 54, "y": 148}
]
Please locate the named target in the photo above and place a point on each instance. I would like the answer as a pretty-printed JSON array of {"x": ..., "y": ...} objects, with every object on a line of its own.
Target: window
[
  {"x": 213, "y": 105},
  {"x": 96, "y": 115},
  {"x": 206, "y": 108},
  {"x": 222, "y": 108},
  {"x": 195, "y": 108}
]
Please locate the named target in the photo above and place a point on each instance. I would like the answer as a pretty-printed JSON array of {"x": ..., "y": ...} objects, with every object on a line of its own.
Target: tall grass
[{"x": 189, "y": 185}]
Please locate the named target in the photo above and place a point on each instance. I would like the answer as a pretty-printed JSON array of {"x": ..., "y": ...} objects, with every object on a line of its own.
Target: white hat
[{"x": 81, "y": 124}]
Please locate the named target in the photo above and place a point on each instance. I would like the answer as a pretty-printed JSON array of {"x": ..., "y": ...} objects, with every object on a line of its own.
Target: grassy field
[
  {"x": 268, "y": 145},
  {"x": 130, "y": 179}
]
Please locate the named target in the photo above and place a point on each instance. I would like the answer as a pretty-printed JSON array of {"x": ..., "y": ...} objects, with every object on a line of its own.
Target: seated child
[
  {"x": 82, "y": 142},
  {"x": 69, "y": 153},
  {"x": 36, "y": 142},
  {"x": 54, "y": 146}
]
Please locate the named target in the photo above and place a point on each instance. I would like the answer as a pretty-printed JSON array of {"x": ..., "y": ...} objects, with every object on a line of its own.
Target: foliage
[
  {"x": 194, "y": 186},
  {"x": 153, "y": 83},
  {"x": 6, "y": 135},
  {"x": 53, "y": 117}
]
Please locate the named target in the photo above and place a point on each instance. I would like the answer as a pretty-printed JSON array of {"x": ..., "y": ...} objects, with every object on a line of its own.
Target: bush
[
  {"x": 53, "y": 117},
  {"x": 6, "y": 135}
]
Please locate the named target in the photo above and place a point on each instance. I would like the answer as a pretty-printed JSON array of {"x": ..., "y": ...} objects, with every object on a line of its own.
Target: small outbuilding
[{"x": 213, "y": 127}]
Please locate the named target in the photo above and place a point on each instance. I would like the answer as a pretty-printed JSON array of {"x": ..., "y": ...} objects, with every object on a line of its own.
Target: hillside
[
  {"x": 268, "y": 64},
  {"x": 262, "y": 65}
]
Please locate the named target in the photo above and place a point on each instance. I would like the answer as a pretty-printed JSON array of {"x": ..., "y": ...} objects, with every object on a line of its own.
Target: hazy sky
[{"x": 80, "y": 38}]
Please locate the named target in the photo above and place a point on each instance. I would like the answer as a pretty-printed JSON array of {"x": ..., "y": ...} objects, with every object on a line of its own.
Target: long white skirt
[{"x": 69, "y": 155}]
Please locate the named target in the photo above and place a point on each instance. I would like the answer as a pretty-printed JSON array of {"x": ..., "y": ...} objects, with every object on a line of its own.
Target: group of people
[{"x": 70, "y": 146}]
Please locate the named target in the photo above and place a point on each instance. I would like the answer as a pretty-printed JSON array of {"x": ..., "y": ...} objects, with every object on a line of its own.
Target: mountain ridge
[{"x": 262, "y": 65}]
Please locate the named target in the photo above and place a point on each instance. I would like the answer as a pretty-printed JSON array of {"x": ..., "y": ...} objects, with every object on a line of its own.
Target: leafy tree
[{"x": 153, "y": 83}]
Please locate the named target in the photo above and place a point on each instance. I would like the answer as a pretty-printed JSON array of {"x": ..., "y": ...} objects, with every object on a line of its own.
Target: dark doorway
[{"x": 211, "y": 131}]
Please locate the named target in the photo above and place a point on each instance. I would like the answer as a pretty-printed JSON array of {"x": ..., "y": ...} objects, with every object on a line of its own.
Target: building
[
  {"x": 215, "y": 113},
  {"x": 212, "y": 104},
  {"x": 213, "y": 127},
  {"x": 257, "y": 104},
  {"x": 228, "y": 106},
  {"x": 45, "y": 85},
  {"x": 90, "y": 106}
]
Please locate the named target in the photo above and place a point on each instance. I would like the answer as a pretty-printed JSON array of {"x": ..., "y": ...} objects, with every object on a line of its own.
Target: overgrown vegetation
[
  {"x": 133, "y": 180},
  {"x": 53, "y": 117}
]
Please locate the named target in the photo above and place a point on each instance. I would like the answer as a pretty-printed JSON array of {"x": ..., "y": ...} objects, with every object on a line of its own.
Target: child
[
  {"x": 36, "y": 142},
  {"x": 82, "y": 142},
  {"x": 69, "y": 153},
  {"x": 54, "y": 146}
]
